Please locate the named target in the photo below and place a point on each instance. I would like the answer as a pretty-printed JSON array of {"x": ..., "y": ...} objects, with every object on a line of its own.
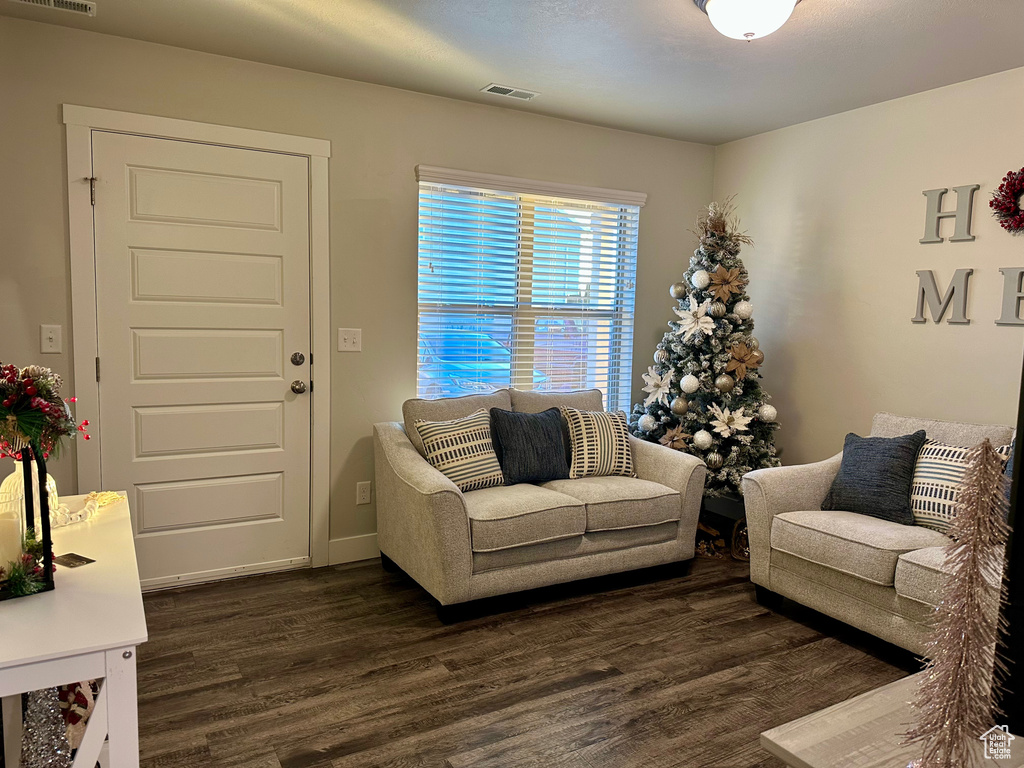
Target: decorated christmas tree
[{"x": 704, "y": 394}]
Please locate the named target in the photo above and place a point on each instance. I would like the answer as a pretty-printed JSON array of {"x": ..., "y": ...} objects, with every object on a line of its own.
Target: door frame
[{"x": 79, "y": 123}]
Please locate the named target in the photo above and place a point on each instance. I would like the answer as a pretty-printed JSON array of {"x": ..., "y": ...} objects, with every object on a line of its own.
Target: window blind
[{"x": 526, "y": 290}]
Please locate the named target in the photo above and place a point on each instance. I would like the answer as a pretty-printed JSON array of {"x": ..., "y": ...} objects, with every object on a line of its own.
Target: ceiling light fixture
[{"x": 747, "y": 19}]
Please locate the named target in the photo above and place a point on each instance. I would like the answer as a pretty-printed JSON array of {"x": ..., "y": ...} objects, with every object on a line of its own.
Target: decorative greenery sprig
[{"x": 32, "y": 412}]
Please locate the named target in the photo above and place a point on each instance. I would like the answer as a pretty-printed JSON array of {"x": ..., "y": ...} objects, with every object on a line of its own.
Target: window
[{"x": 522, "y": 287}]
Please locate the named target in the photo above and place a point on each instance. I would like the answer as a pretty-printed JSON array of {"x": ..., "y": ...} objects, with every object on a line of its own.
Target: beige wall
[
  {"x": 378, "y": 135},
  {"x": 836, "y": 212}
]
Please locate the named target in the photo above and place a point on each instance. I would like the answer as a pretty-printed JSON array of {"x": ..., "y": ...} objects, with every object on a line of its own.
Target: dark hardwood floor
[{"x": 350, "y": 667}]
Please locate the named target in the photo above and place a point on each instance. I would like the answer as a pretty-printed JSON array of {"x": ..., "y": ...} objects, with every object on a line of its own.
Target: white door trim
[{"x": 80, "y": 122}]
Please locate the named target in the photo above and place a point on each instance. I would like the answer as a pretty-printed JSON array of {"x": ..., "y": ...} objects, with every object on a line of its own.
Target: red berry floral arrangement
[
  {"x": 32, "y": 412},
  {"x": 1005, "y": 202}
]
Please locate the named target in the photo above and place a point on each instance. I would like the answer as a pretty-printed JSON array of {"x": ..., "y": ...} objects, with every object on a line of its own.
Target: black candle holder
[{"x": 43, "y": 547}]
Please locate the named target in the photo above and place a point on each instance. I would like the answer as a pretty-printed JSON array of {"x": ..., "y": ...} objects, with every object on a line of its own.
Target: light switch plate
[
  {"x": 50, "y": 340},
  {"x": 350, "y": 339}
]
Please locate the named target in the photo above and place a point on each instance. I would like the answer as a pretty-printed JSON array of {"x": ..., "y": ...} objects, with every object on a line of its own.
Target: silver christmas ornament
[
  {"x": 647, "y": 423},
  {"x": 677, "y": 290},
  {"x": 702, "y": 440},
  {"x": 689, "y": 384},
  {"x": 679, "y": 406},
  {"x": 725, "y": 383},
  {"x": 713, "y": 460},
  {"x": 767, "y": 413},
  {"x": 661, "y": 356},
  {"x": 700, "y": 279},
  {"x": 717, "y": 309},
  {"x": 743, "y": 310}
]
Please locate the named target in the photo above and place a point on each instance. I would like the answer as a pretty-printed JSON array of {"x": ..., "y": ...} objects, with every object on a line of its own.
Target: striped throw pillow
[
  {"x": 600, "y": 443},
  {"x": 462, "y": 450},
  {"x": 936, "y": 486}
]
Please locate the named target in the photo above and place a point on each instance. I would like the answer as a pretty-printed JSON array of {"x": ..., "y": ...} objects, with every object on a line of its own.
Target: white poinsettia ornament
[
  {"x": 658, "y": 385},
  {"x": 725, "y": 422},
  {"x": 695, "y": 320}
]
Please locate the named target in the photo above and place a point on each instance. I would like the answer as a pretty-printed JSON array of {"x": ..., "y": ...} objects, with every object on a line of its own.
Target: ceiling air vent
[
  {"x": 508, "y": 92},
  {"x": 85, "y": 7}
]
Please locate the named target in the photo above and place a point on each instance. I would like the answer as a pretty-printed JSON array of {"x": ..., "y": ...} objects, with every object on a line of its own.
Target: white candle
[{"x": 10, "y": 538}]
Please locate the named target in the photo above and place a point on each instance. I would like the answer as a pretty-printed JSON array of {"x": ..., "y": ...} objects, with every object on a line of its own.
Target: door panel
[{"x": 202, "y": 278}]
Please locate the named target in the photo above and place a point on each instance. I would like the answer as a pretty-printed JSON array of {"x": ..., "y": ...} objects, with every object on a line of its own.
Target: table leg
[
  {"x": 122, "y": 708},
  {"x": 12, "y": 730}
]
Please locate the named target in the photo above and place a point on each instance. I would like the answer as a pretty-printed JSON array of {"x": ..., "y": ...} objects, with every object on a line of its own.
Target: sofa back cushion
[
  {"x": 524, "y": 401},
  {"x": 950, "y": 432},
  {"x": 447, "y": 409}
]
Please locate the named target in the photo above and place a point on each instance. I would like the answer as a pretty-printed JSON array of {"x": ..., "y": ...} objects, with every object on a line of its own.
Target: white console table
[{"x": 87, "y": 628}]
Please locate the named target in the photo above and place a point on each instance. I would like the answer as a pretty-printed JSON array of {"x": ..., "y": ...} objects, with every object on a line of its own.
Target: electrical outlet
[
  {"x": 50, "y": 339},
  {"x": 363, "y": 492},
  {"x": 350, "y": 339}
]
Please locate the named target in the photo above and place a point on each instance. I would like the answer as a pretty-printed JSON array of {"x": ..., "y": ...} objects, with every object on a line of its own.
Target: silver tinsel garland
[
  {"x": 956, "y": 701},
  {"x": 44, "y": 742}
]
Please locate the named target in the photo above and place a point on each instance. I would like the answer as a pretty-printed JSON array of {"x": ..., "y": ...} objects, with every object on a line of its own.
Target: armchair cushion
[
  {"x": 858, "y": 545},
  {"x": 617, "y": 503},
  {"x": 875, "y": 477},
  {"x": 517, "y": 515}
]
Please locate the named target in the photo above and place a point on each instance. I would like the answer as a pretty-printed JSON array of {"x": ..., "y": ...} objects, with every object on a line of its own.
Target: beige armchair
[{"x": 463, "y": 546}]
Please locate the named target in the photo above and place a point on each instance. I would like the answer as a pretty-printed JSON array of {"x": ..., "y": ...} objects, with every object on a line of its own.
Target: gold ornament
[
  {"x": 725, "y": 282},
  {"x": 677, "y": 290},
  {"x": 714, "y": 460},
  {"x": 743, "y": 357},
  {"x": 680, "y": 405},
  {"x": 753, "y": 343},
  {"x": 717, "y": 309},
  {"x": 725, "y": 383},
  {"x": 675, "y": 438}
]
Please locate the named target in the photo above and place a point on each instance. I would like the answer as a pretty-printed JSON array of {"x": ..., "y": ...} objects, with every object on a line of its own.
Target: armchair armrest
[
  {"x": 421, "y": 517},
  {"x": 770, "y": 492},
  {"x": 679, "y": 471}
]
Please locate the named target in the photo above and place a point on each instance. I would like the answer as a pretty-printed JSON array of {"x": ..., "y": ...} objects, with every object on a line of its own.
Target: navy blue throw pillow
[
  {"x": 531, "y": 447},
  {"x": 876, "y": 476}
]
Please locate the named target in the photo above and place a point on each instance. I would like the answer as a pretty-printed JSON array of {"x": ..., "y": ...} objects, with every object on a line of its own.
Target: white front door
[{"x": 202, "y": 294}]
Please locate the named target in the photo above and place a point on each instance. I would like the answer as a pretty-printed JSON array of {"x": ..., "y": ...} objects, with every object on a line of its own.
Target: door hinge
[
  {"x": 97, "y": 369},
  {"x": 92, "y": 191}
]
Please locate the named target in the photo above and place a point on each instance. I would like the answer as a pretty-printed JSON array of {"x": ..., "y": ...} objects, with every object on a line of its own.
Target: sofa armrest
[
  {"x": 679, "y": 471},
  {"x": 770, "y": 492},
  {"x": 421, "y": 517}
]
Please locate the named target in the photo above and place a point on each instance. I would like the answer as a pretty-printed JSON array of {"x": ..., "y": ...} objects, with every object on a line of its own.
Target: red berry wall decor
[{"x": 1005, "y": 202}]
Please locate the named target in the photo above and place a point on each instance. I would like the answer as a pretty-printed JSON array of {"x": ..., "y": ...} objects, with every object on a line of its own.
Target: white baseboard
[
  {"x": 353, "y": 548},
  {"x": 167, "y": 582}
]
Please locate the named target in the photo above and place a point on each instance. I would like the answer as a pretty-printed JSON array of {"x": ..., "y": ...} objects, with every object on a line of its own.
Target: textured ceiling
[{"x": 654, "y": 66}]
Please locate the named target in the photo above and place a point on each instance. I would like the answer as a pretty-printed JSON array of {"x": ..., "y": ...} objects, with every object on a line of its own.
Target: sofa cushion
[
  {"x": 462, "y": 450},
  {"x": 535, "y": 401},
  {"x": 447, "y": 409},
  {"x": 952, "y": 432},
  {"x": 859, "y": 545},
  {"x": 531, "y": 447},
  {"x": 937, "y": 477},
  {"x": 616, "y": 503},
  {"x": 875, "y": 476},
  {"x": 600, "y": 443},
  {"x": 920, "y": 573},
  {"x": 516, "y": 515}
]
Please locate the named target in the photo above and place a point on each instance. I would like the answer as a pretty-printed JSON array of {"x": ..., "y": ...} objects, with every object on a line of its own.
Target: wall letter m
[{"x": 956, "y": 294}]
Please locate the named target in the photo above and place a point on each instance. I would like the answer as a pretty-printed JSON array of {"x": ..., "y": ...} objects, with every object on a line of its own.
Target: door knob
[
  {"x": 298, "y": 358},
  {"x": 298, "y": 387}
]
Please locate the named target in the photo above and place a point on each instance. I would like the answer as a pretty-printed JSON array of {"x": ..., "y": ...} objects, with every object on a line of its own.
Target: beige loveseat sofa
[
  {"x": 462, "y": 546},
  {"x": 879, "y": 576}
]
